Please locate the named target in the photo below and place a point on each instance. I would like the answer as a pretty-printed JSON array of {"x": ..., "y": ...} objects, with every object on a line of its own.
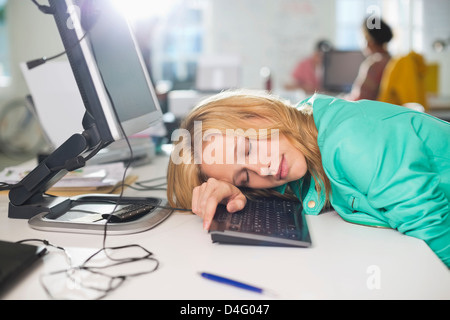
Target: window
[
  {"x": 349, "y": 19},
  {"x": 178, "y": 43},
  {"x": 403, "y": 16},
  {"x": 170, "y": 35}
]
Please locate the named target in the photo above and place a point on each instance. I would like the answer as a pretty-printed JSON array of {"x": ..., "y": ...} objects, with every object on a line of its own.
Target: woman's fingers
[
  {"x": 206, "y": 197},
  {"x": 236, "y": 204},
  {"x": 209, "y": 212},
  {"x": 195, "y": 196},
  {"x": 212, "y": 193}
]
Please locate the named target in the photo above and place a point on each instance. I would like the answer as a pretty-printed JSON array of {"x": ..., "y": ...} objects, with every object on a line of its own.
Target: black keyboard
[{"x": 269, "y": 221}]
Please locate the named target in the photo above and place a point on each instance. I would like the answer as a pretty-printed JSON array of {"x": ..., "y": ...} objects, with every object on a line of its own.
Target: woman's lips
[{"x": 282, "y": 169}]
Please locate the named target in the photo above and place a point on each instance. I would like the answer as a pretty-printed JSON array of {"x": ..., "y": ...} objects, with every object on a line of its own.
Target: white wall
[
  {"x": 436, "y": 25},
  {"x": 272, "y": 33},
  {"x": 278, "y": 33},
  {"x": 32, "y": 35}
]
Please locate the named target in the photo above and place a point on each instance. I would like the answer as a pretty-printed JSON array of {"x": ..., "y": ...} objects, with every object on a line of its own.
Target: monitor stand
[{"x": 28, "y": 199}]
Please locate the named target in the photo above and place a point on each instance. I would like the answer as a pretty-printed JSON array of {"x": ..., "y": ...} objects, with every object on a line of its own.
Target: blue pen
[{"x": 230, "y": 282}]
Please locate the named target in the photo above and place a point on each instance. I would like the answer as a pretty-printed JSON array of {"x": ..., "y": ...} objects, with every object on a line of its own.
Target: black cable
[
  {"x": 113, "y": 281},
  {"x": 47, "y": 243},
  {"x": 37, "y": 62},
  {"x": 4, "y": 186},
  {"x": 42, "y": 8},
  {"x": 123, "y": 181}
]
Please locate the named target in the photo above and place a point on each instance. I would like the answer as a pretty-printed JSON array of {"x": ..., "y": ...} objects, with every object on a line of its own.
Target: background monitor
[
  {"x": 218, "y": 72},
  {"x": 340, "y": 70}
]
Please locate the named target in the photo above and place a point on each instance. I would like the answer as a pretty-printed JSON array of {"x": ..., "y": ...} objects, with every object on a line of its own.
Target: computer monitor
[
  {"x": 107, "y": 65},
  {"x": 218, "y": 72},
  {"x": 340, "y": 69},
  {"x": 115, "y": 88}
]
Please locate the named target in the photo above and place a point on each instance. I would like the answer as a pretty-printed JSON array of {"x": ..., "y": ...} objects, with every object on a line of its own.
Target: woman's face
[{"x": 252, "y": 163}]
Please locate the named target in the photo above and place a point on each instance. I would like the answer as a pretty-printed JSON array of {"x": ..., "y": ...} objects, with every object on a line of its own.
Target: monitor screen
[
  {"x": 108, "y": 66},
  {"x": 340, "y": 70}
]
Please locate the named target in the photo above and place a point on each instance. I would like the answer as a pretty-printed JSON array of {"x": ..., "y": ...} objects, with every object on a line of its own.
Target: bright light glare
[{"x": 140, "y": 9}]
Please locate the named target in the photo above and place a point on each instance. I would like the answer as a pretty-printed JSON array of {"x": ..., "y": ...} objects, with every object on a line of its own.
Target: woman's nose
[{"x": 263, "y": 169}]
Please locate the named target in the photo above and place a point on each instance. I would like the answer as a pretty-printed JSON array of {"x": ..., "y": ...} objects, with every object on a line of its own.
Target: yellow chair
[{"x": 403, "y": 81}]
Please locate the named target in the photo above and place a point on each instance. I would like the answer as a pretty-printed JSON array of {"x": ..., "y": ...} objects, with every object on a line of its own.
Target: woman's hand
[{"x": 207, "y": 196}]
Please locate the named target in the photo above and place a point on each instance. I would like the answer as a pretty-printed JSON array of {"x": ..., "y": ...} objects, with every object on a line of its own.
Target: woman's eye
[
  {"x": 249, "y": 146},
  {"x": 246, "y": 179}
]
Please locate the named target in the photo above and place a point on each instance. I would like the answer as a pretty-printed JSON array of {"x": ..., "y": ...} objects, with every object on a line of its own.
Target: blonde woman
[{"x": 377, "y": 164}]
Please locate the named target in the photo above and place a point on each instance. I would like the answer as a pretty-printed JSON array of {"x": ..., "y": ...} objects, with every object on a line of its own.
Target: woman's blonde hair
[{"x": 232, "y": 110}]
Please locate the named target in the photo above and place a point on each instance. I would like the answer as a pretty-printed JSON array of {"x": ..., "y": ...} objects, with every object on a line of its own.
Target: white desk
[{"x": 342, "y": 263}]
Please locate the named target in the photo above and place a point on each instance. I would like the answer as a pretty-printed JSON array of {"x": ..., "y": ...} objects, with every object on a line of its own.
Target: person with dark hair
[
  {"x": 367, "y": 84},
  {"x": 307, "y": 75}
]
